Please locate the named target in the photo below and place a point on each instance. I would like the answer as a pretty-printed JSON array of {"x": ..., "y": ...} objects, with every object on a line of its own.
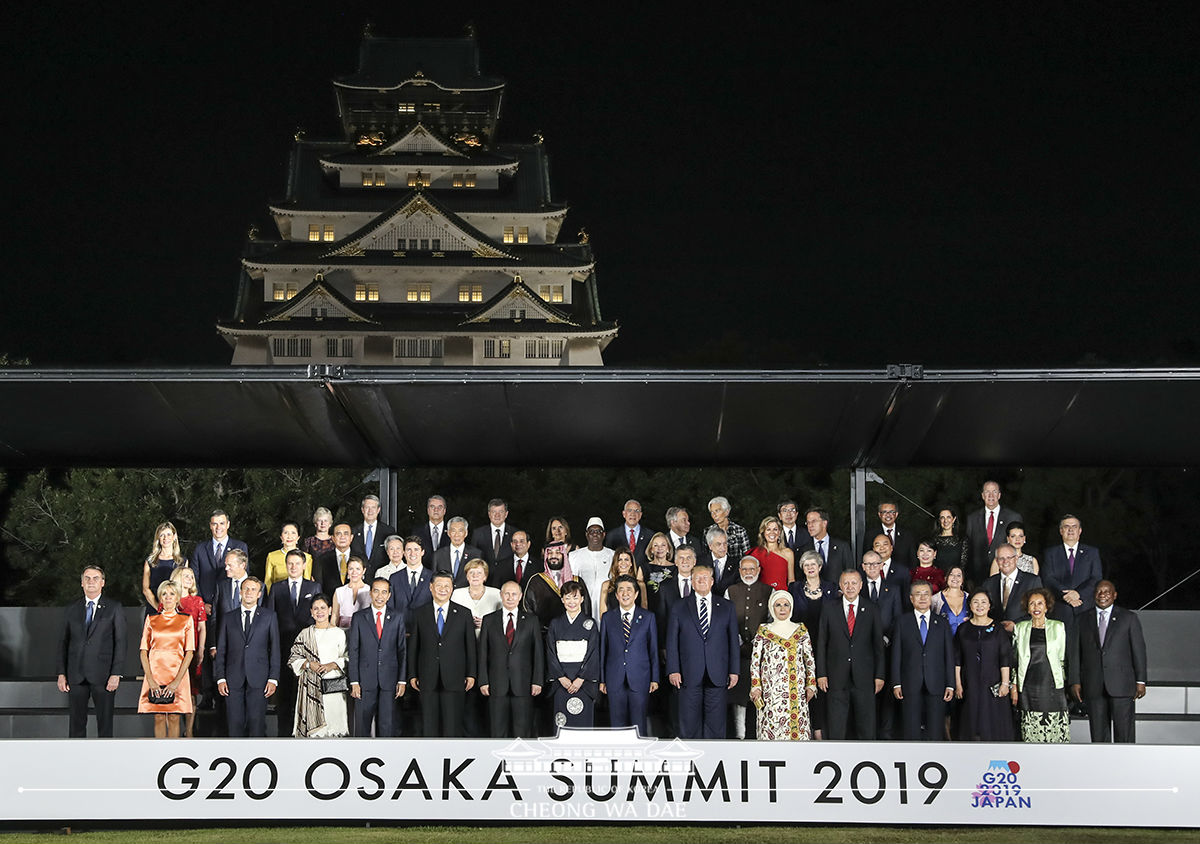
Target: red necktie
[
  {"x": 632, "y": 541},
  {"x": 991, "y": 526},
  {"x": 379, "y": 625},
  {"x": 509, "y": 631},
  {"x": 520, "y": 568},
  {"x": 850, "y": 621}
]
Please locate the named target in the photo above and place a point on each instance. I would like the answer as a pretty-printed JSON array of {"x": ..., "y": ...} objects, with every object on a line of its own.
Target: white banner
[{"x": 601, "y": 775}]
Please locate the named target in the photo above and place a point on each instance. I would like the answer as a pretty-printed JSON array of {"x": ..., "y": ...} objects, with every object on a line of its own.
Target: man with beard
[
  {"x": 543, "y": 592},
  {"x": 749, "y": 597}
]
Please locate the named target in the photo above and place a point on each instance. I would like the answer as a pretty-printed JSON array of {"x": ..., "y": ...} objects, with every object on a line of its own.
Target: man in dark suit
[
  {"x": 836, "y": 553},
  {"x": 679, "y": 523},
  {"x": 702, "y": 657},
  {"x": 410, "y": 585},
  {"x": 376, "y": 665},
  {"x": 922, "y": 667},
  {"x": 208, "y": 558},
  {"x": 725, "y": 570},
  {"x": 247, "y": 663},
  {"x": 896, "y": 575},
  {"x": 795, "y": 533},
  {"x": 91, "y": 654},
  {"x": 1072, "y": 570},
  {"x": 630, "y": 533},
  {"x": 885, "y": 596},
  {"x": 628, "y": 658},
  {"x": 1112, "y": 667},
  {"x": 904, "y": 541},
  {"x": 512, "y": 665},
  {"x": 495, "y": 538},
  {"x": 519, "y": 567},
  {"x": 370, "y": 535},
  {"x": 1007, "y": 587},
  {"x": 442, "y": 663},
  {"x": 986, "y": 529},
  {"x": 291, "y": 601},
  {"x": 454, "y": 557},
  {"x": 850, "y": 665},
  {"x": 432, "y": 532},
  {"x": 329, "y": 567}
]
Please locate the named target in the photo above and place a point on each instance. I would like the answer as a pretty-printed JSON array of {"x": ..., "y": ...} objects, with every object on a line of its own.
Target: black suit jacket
[
  {"x": 729, "y": 576},
  {"x": 291, "y": 619},
  {"x": 505, "y": 570},
  {"x": 444, "y": 561},
  {"x": 838, "y": 556},
  {"x": 511, "y": 671},
  {"x": 850, "y": 661},
  {"x": 482, "y": 538},
  {"x": 327, "y": 572},
  {"x": 421, "y": 531},
  {"x": 92, "y": 655},
  {"x": 1057, "y": 574},
  {"x": 618, "y": 537},
  {"x": 444, "y": 661},
  {"x": 1023, "y": 583},
  {"x": 981, "y": 553},
  {"x": 379, "y": 554},
  {"x": 210, "y": 571},
  {"x": 927, "y": 667},
  {"x": 889, "y": 605},
  {"x": 223, "y": 604},
  {"x": 904, "y": 546},
  {"x": 1115, "y": 669}
]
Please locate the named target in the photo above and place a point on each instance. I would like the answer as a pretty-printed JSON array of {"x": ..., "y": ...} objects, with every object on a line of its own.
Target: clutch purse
[
  {"x": 160, "y": 698},
  {"x": 329, "y": 685}
]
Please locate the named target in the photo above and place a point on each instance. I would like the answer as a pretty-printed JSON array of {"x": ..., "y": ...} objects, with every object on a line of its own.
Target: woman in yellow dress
[
  {"x": 277, "y": 560},
  {"x": 783, "y": 675}
]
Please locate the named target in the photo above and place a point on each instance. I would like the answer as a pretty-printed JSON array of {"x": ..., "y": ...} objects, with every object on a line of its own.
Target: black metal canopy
[{"x": 359, "y": 416}]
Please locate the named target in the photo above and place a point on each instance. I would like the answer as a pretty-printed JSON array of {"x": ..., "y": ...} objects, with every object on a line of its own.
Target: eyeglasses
[{"x": 888, "y": 512}]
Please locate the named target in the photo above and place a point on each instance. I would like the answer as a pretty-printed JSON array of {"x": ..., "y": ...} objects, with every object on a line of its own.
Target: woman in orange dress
[
  {"x": 168, "y": 644},
  {"x": 191, "y": 603},
  {"x": 777, "y": 561}
]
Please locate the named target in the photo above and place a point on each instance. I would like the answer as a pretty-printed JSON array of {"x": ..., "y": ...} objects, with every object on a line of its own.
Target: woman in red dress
[{"x": 777, "y": 562}]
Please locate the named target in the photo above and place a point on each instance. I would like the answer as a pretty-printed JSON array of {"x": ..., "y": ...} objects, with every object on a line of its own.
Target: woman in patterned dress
[{"x": 783, "y": 675}]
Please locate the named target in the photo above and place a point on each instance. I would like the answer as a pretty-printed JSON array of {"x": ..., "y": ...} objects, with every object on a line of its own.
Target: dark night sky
[{"x": 976, "y": 185}]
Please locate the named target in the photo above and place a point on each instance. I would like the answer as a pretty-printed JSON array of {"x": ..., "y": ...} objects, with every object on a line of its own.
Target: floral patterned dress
[{"x": 784, "y": 669}]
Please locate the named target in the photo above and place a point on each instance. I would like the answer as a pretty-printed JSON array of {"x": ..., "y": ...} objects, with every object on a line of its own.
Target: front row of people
[{"x": 440, "y": 651}]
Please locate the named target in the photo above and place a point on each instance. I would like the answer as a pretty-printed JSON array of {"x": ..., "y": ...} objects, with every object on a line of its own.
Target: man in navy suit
[
  {"x": 494, "y": 539},
  {"x": 835, "y": 552},
  {"x": 922, "y": 667},
  {"x": 1008, "y": 586},
  {"x": 247, "y": 663},
  {"x": 894, "y": 573},
  {"x": 702, "y": 657},
  {"x": 432, "y": 531},
  {"x": 442, "y": 662},
  {"x": 850, "y": 663},
  {"x": 512, "y": 665},
  {"x": 1112, "y": 667},
  {"x": 630, "y": 533},
  {"x": 410, "y": 585},
  {"x": 90, "y": 655},
  {"x": 628, "y": 658},
  {"x": 986, "y": 529},
  {"x": 886, "y": 598},
  {"x": 725, "y": 570},
  {"x": 208, "y": 558},
  {"x": 1072, "y": 570},
  {"x": 291, "y": 601},
  {"x": 377, "y": 663},
  {"x": 454, "y": 556},
  {"x": 370, "y": 535}
]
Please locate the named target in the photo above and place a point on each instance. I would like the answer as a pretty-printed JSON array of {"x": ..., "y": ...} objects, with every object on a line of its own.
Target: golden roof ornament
[
  {"x": 583, "y": 236},
  {"x": 299, "y": 136},
  {"x": 538, "y": 138},
  {"x": 470, "y": 28},
  {"x": 252, "y": 232},
  {"x": 368, "y": 30}
]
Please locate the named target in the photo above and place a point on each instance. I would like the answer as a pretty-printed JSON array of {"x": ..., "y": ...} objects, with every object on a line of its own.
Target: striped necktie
[{"x": 704, "y": 617}]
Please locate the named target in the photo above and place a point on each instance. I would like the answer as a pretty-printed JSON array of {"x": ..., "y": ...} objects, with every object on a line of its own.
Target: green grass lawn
[{"x": 699, "y": 834}]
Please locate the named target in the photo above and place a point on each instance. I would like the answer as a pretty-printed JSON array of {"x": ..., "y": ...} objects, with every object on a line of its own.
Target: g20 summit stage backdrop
[{"x": 602, "y": 775}]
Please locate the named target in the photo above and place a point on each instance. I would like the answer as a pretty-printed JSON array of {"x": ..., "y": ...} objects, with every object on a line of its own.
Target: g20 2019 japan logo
[{"x": 998, "y": 787}]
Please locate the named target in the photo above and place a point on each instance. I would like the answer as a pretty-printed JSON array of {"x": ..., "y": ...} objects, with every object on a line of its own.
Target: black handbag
[
  {"x": 330, "y": 685},
  {"x": 160, "y": 698}
]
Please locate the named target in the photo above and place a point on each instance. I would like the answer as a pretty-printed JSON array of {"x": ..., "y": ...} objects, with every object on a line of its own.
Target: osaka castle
[{"x": 417, "y": 238}]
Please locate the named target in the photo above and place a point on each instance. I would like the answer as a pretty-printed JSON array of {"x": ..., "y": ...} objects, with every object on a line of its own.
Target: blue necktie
[
  {"x": 91, "y": 610},
  {"x": 295, "y": 594},
  {"x": 924, "y": 630},
  {"x": 370, "y": 540},
  {"x": 441, "y": 621},
  {"x": 704, "y": 618},
  {"x": 821, "y": 549},
  {"x": 457, "y": 557}
]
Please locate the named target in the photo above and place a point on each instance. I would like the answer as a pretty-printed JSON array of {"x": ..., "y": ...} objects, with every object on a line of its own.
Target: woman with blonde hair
[
  {"x": 163, "y": 559},
  {"x": 777, "y": 562},
  {"x": 191, "y": 603},
  {"x": 168, "y": 645},
  {"x": 322, "y": 540}
]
